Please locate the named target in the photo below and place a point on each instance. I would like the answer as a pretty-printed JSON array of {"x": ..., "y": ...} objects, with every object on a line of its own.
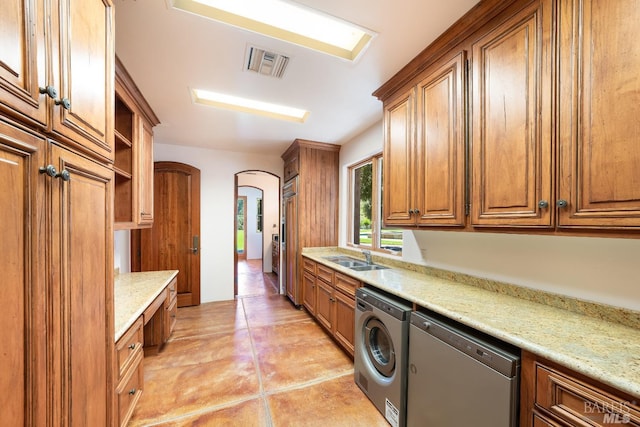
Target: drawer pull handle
[
  {"x": 132, "y": 346},
  {"x": 132, "y": 391}
]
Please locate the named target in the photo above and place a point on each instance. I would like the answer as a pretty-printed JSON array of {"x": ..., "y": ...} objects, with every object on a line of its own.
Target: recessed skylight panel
[{"x": 286, "y": 21}]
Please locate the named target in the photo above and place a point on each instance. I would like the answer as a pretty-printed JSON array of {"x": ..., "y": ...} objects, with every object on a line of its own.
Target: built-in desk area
[{"x": 145, "y": 306}]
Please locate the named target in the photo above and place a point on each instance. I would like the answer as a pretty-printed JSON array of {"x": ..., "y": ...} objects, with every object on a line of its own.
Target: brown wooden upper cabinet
[
  {"x": 511, "y": 144},
  {"x": 537, "y": 129},
  {"x": 424, "y": 171},
  {"x": 54, "y": 72},
  {"x": 133, "y": 167},
  {"x": 598, "y": 111}
]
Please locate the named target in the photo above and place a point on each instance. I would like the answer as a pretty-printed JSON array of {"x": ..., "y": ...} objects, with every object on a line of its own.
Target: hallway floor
[{"x": 254, "y": 361}]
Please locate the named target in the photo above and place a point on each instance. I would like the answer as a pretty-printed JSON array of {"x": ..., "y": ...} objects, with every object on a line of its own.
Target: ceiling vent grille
[{"x": 266, "y": 63}]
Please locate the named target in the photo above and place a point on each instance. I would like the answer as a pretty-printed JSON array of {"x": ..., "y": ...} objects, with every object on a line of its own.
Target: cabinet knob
[
  {"x": 410, "y": 211},
  {"x": 562, "y": 203},
  {"x": 49, "y": 170},
  {"x": 132, "y": 346},
  {"x": 64, "y": 175},
  {"x": 542, "y": 204},
  {"x": 416, "y": 211},
  {"x": 50, "y": 91},
  {"x": 132, "y": 391},
  {"x": 66, "y": 104}
]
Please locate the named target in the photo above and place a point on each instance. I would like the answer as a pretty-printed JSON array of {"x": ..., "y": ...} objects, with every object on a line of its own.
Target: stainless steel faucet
[{"x": 367, "y": 256}]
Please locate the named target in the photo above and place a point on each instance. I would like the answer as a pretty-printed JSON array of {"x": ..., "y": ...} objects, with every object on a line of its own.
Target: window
[
  {"x": 366, "y": 229},
  {"x": 259, "y": 215}
]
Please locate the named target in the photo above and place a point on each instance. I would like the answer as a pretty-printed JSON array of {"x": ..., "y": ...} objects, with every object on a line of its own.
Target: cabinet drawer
[
  {"x": 170, "y": 319},
  {"x": 128, "y": 347},
  {"x": 539, "y": 421},
  {"x": 578, "y": 403},
  {"x": 172, "y": 292},
  {"x": 325, "y": 273},
  {"x": 309, "y": 265},
  {"x": 129, "y": 391},
  {"x": 346, "y": 284}
]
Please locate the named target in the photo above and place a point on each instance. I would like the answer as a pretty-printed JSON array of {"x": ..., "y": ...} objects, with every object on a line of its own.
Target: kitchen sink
[
  {"x": 354, "y": 263},
  {"x": 345, "y": 261},
  {"x": 368, "y": 267}
]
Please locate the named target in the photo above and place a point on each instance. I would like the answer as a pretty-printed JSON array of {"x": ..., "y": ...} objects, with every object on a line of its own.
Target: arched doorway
[{"x": 262, "y": 214}]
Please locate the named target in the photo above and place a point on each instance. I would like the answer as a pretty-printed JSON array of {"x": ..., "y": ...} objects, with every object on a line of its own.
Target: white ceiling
[{"x": 168, "y": 51}]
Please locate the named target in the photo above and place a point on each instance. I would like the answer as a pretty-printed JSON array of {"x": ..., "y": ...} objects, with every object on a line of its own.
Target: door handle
[{"x": 194, "y": 249}]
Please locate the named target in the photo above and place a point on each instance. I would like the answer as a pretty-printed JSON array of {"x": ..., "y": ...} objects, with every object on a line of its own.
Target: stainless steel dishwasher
[{"x": 458, "y": 377}]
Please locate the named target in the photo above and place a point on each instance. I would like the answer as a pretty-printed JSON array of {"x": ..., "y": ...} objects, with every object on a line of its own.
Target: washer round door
[{"x": 379, "y": 347}]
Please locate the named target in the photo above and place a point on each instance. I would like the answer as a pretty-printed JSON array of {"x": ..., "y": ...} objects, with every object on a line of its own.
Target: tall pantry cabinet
[
  {"x": 310, "y": 206},
  {"x": 56, "y": 218}
]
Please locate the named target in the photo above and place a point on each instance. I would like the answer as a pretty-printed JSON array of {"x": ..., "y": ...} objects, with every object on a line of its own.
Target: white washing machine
[{"x": 381, "y": 351}]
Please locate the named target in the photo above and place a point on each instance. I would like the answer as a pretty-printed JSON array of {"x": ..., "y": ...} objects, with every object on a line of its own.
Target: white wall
[
  {"x": 605, "y": 270},
  {"x": 218, "y": 169},
  {"x": 122, "y": 249}
]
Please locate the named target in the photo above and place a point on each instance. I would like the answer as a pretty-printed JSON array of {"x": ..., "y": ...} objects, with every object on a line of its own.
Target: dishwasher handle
[{"x": 503, "y": 360}]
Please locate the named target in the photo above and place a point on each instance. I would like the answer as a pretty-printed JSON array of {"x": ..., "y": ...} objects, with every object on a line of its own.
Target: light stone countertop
[
  {"x": 595, "y": 341},
  {"x": 134, "y": 292}
]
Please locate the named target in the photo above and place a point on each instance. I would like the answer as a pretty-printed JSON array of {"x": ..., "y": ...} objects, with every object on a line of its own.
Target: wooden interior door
[{"x": 173, "y": 243}]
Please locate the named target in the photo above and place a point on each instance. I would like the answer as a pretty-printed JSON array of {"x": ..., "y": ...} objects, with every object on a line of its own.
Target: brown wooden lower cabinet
[
  {"x": 145, "y": 337},
  {"x": 330, "y": 297},
  {"x": 159, "y": 319},
  {"x": 129, "y": 356},
  {"x": 552, "y": 395}
]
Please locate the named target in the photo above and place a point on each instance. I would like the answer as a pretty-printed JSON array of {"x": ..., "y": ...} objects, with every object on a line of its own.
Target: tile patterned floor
[{"x": 254, "y": 361}]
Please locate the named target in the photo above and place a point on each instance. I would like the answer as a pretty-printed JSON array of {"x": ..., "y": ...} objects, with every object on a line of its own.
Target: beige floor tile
[
  {"x": 212, "y": 317},
  {"x": 337, "y": 403},
  {"x": 271, "y": 309},
  {"x": 295, "y": 353},
  {"x": 176, "y": 391},
  {"x": 251, "y": 413},
  {"x": 185, "y": 352}
]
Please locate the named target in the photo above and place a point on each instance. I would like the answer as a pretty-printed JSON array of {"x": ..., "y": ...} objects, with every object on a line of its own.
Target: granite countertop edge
[
  {"x": 601, "y": 349},
  {"x": 134, "y": 292}
]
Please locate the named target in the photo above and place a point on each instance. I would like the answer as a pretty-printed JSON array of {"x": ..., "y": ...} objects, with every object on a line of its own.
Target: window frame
[{"x": 376, "y": 161}]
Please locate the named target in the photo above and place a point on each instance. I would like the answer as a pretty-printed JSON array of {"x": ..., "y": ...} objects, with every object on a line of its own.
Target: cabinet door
[
  {"x": 599, "y": 106},
  {"x": 84, "y": 74},
  {"x": 512, "y": 147},
  {"x": 309, "y": 292},
  {"x": 22, "y": 59},
  {"x": 344, "y": 327},
  {"x": 144, "y": 175},
  {"x": 23, "y": 367},
  {"x": 440, "y": 148},
  {"x": 291, "y": 254},
  {"x": 82, "y": 298},
  {"x": 399, "y": 136},
  {"x": 324, "y": 304}
]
